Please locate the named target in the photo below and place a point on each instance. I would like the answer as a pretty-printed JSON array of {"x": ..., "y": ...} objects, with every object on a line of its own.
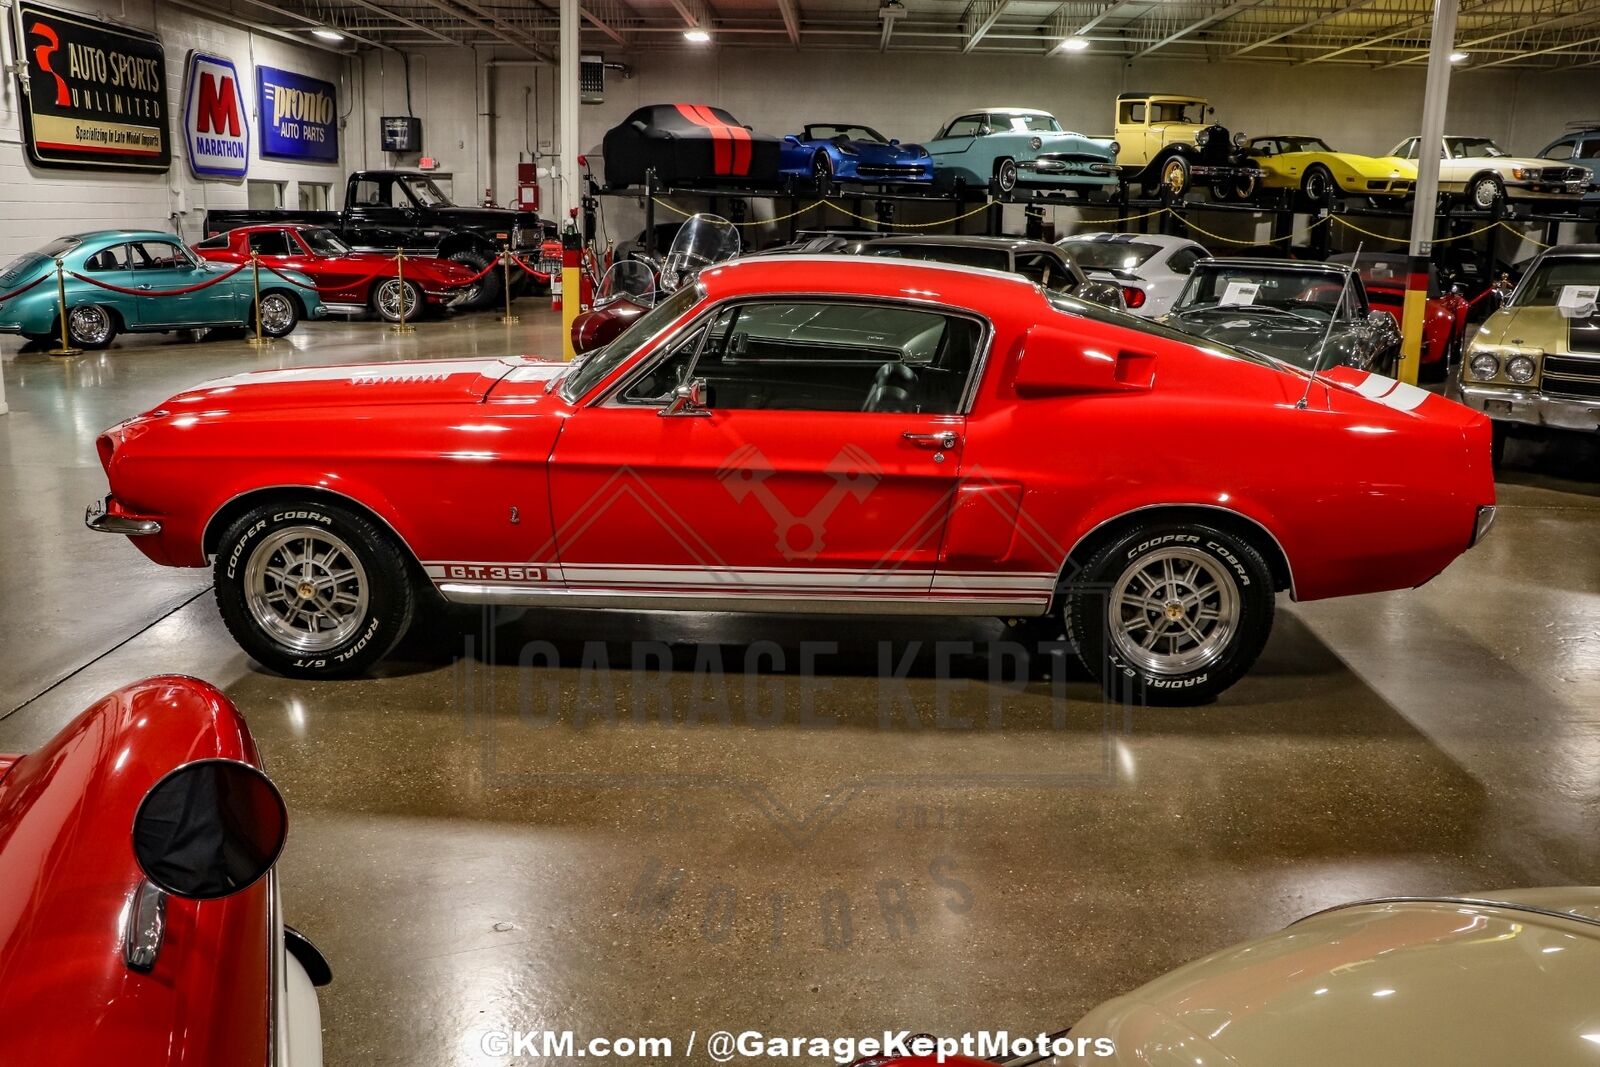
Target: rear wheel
[
  {"x": 484, "y": 293},
  {"x": 91, "y": 326},
  {"x": 280, "y": 313},
  {"x": 1170, "y": 613},
  {"x": 389, "y": 295},
  {"x": 312, "y": 590}
]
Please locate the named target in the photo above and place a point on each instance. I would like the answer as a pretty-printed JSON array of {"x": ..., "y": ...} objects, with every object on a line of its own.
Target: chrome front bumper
[
  {"x": 99, "y": 518},
  {"x": 1531, "y": 407}
]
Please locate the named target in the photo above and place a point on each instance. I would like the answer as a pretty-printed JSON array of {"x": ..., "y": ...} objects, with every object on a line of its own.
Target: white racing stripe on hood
[
  {"x": 367, "y": 373},
  {"x": 1392, "y": 394}
]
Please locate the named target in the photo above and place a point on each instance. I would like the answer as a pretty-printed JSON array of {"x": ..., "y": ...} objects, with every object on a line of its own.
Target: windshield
[
  {"x": 703, "y": 241},
  {"x": 1385, "y": 271},
  {"x": 827, "y": 132},
  {"x": 1027, "y": 123},
  {"x": 1553, "y": 283},
  {"x": 1307, "y": 293},
  {"x": 1115, "y": 317},
  {"x": 1109, "y": 255},
  {"x": 324, "y": 242},
  {"x": 1277, "y": 146},
  {"x": 602, "y": 361},
  {"x": 1473, "y": 148},
  {"x": 425, "y": 193},
  {"x": 1178, "y": 111}
]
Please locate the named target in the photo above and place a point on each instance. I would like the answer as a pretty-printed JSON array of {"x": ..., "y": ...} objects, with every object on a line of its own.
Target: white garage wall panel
[{"x": 40, "y": 203}]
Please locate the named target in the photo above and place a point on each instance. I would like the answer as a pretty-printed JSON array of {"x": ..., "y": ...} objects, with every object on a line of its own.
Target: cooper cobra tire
[
  {"x": 486, "y": 293},
  {"x": 312, "y": 590},
  {"x": 1170, "y": 613}
]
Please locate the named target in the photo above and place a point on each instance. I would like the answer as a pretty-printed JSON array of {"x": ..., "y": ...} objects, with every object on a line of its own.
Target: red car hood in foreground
[{"x": 67, "y": 875}]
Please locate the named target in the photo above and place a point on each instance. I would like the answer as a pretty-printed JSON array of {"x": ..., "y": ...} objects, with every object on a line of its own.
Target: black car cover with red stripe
[{"x": 688, "y": 145}]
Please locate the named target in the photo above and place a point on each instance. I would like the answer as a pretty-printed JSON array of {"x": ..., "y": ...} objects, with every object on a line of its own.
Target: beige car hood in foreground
[{"x": 1433, "y": 983}]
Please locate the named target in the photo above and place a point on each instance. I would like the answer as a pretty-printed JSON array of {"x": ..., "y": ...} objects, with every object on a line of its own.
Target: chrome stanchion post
[
  {"x": 255, "y": 278},
  {"x": 505, "y": 261},
  {"x": 400, "y": 275},
  {"x": 66, "y": 348}
]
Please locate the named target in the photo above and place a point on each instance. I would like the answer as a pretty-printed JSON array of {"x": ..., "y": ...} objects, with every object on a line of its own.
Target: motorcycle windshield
[
  {"x": 702, "y": 241},
  {"x": 631, "y": 280}
]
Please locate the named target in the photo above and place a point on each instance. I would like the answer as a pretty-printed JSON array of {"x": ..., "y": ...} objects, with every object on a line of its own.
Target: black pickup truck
[{"x": 389, "y": 209}]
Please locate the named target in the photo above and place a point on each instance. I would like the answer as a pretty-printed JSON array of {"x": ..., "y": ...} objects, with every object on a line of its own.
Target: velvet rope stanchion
[
  {"x": 65, "y": 348},
  {"x": 255, "y": 275},
  {"x": 400, "y": 275},
  {"x": 505, "y": 266}
]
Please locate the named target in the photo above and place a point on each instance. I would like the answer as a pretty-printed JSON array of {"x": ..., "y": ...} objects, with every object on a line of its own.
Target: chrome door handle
[
  {"x": 943, "y": 439},
  {"x": 147, "y": 286}
]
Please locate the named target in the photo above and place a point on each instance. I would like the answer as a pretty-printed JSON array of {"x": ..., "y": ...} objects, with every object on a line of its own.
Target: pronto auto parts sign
[
  {"x": 96, "y": 93},
  {"x": 299, "y": 117},
  {"x": 216, "y": 127}
]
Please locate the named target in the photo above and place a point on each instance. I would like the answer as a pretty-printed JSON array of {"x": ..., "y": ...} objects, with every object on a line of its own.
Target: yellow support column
[
  {"x": 571, "y": 287},
  {"x": 1411, "y": 317}
]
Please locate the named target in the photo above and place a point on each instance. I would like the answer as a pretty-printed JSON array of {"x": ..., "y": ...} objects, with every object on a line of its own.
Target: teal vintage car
[
  {"x": 1013, "y": 146},
  {"x": 142, "y": 281}
]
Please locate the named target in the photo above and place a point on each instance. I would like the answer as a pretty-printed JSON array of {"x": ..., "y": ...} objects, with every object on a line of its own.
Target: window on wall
[
  {"x": 266, "y": 195},
  {"x": 314, "y": 196}
]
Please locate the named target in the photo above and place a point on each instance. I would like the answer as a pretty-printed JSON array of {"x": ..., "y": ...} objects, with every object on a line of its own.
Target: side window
[
  {"x": 657, "y": 384},
  {"x": 269, "y": 243},
  {"x": 216, "y": 243},
  {"x": 159, "y": 255},
  {"x": 1045, "y": 269},
  {"x": 965, "y": 126},
  {"x": 1560, "y": 150},
  {"x": 821, "y": 355},
  {"x": 369, "y": 194},
  {"x": 1133, "y": 112},
  {"x": 113, "y": 258},
  {"x": 1588, "y": 149},
  {"x": 1183, "y": 260}
]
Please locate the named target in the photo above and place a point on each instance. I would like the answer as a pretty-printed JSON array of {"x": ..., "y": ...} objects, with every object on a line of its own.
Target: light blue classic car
[
  {"x": 147, "y": 282},
  {"x": 1014, "y": 146}
]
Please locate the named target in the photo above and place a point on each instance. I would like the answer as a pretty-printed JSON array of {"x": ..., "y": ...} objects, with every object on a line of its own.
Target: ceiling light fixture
[
  {"x": 1073, "y": 44},
  {"x": 327, "y": 34},
  {"x": 698, "y": 36},
  {"x": 1459, "y": 57}
]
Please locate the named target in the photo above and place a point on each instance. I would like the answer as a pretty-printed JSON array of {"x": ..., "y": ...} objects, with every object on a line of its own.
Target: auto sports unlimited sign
[
  {"x": 96, "y": 93},
  {"x": 216, "y": 129},
  {"x": 299, "y": 117}
]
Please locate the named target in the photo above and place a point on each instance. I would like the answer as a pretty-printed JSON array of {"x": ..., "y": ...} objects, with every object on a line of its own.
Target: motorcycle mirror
[{"x": 209, "y": 829}]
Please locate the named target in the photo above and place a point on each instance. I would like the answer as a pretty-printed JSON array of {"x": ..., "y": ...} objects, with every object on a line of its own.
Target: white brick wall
[{"x": 38, "y": 203}]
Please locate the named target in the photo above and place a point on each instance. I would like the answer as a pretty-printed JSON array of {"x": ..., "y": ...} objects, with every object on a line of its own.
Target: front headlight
[
  {"x": 1116, "y": 148},
  {"x": 1518, "y": 173},
  {"x": 1202, "y": 137},
  {"x": 1484, "y": 366},
  {"x": 1238, "y": 139},
  {"x": 1520, "y": 369}
]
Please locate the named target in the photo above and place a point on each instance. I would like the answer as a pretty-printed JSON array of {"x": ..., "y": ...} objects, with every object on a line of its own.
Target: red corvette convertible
[
  {"x": 351, "y": 283},
  {"x": 814, "y": 434},
  {"x": 139, "y": 920}
]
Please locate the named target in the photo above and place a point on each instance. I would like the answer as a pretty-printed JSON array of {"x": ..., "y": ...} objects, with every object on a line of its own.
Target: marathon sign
[
  {"x": 216, "y": 126},
  {"x": 299, "y": 117},
  {"x": 96, "y": 94}
]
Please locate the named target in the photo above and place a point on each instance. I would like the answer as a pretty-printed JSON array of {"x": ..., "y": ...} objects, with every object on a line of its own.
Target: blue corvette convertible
[{"x": 845, "y": 152}]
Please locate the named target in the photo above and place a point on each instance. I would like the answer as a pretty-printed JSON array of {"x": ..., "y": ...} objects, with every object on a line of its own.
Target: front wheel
[
  {"x": 1175, "y": 177},
  {"x": 1318, "y": 186},
  {"x": 1005, "y": 175},
  {"x": 312, "y": 590},
  {"x": 391, "y": 295},
  {"x": 279, "y": 314},
  {"x": 1486, "y": 191},
  {"x": 1170, "y": 613}
]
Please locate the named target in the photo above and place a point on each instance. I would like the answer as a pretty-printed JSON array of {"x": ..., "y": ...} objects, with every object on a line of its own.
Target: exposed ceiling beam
[
  {"x": 1110, "y": 9},
  {"x": 1398, "y": 31},
  {"x": 1199, "y": 24},
  {"x": 979, "y": 19},
  {"x": 1539, "y": 52},
  {"x": 1476, "y": 41},
  {"x": 402, "y": 20},
  {"x": 518, "y": 36},
  {"x": 306, "y": 20},
  {"x": 791, "y": 20},
  {"x": 1304, "y": 26},
  {"x": 240, "y": 21},
  {"x": 695, "y": 15},
  {"x": 599, "y": 22}
]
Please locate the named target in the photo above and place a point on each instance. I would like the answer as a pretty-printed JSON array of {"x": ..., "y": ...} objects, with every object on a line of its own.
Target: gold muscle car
[
  {"x": 1537, "y": 360},
  {"x": 1311, "y": 166}
]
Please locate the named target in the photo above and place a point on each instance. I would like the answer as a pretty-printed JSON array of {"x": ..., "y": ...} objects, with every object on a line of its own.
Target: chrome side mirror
[{"x": 688, "y": 399}]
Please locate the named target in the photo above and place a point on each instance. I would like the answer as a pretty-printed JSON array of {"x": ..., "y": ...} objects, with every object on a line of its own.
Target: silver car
[{"x": 1150, "y": 268}]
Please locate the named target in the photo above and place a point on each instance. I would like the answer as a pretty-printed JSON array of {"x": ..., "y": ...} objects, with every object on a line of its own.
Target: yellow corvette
[{"x": 1309, "y": 165}]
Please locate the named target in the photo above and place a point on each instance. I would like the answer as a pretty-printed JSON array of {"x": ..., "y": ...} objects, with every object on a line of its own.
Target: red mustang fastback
[
  {"x": 139, "y": 923},
  {"x": 350, "y": 282},
  {"x": 814, "y": 434}
]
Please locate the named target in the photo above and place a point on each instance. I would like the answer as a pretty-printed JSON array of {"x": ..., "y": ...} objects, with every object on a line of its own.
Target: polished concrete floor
[{"x": 498, "y": 834}]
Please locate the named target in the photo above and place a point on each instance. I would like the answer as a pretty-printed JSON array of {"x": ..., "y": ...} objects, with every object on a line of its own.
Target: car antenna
[{"x": 1316, "y": 364}]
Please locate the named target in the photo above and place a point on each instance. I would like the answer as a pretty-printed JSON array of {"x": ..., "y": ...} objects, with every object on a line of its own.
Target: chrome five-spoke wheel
[
  {"x": 1173, "y": 611},
  {"x": 306, "y": 587}
]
